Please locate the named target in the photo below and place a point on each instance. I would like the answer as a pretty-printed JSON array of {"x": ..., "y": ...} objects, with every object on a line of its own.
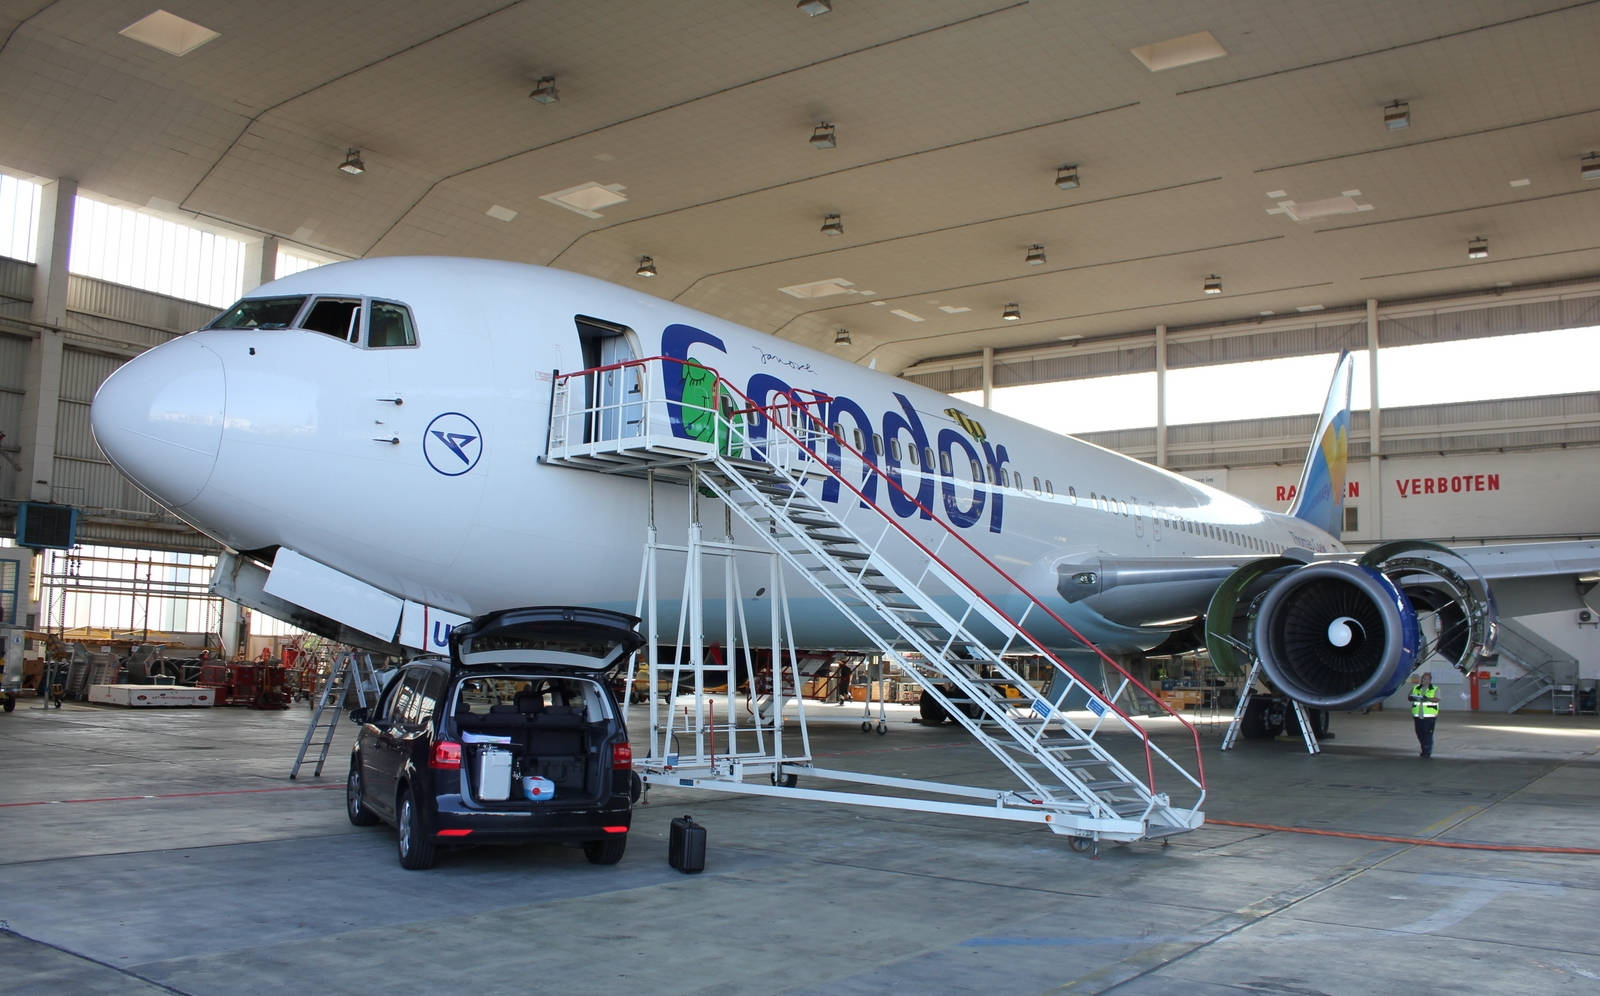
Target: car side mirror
[{"x": 358, "y": 715}]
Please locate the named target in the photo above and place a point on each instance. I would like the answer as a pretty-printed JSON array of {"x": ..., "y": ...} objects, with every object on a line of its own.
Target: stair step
[
  {"x": 1107, "y": 785},
  {"x": 830, "y": 538}
]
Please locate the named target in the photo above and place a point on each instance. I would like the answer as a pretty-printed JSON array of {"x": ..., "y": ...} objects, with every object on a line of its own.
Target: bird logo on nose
[{"x": 452, "y": 444}]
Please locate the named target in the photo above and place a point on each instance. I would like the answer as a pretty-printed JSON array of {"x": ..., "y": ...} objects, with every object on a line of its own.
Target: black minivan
[{"x": 517, "y": 738}]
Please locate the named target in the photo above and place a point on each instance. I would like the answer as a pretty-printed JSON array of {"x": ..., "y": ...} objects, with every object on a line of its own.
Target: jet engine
[
  {"x": 1335, "y": 635},
  {"x": 1339, "y": 634}
]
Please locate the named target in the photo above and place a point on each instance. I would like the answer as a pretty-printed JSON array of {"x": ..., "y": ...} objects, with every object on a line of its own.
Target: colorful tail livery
[{"x": 1320, "y": 497}]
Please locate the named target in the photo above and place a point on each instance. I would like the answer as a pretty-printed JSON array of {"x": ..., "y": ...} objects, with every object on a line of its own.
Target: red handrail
[{"x": 819, "y": 397}]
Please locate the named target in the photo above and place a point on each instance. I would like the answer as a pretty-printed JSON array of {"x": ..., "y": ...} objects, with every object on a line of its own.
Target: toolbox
[{"x": 686, "y": 845}]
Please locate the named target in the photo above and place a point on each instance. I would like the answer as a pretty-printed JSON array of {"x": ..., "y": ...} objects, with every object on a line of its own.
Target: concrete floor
[{"x": 168, "y": 852}]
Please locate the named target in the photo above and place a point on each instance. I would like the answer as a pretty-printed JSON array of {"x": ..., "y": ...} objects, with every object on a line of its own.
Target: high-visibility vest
[{"x": 1425, "y": 701}]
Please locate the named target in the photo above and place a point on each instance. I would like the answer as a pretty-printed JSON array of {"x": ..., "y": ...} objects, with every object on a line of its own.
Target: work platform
[{"x": 756, "y": 479}]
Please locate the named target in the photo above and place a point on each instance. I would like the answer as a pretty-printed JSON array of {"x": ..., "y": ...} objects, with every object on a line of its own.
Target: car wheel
[
  {"x": 605, "y": 852},
  {"x": 416, "y": 849},
  {"x": 354, "y": 807}
]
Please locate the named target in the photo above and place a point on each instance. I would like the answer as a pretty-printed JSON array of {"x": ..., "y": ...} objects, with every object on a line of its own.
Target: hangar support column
[
  {"x": 42, "y": 388},
  {"x": 1374, "y": 516},
  {"x": 1161, "y": 395},
  {"x": 261, "y": 262},
  {"x": 988, "y": 377}
]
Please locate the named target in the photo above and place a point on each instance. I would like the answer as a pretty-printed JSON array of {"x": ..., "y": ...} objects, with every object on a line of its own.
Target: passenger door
[{"x": 614, "y": 397}]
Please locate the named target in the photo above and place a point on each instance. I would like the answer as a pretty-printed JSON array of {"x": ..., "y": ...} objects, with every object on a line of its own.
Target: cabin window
[
  {"x": 913, "y": 455},
  {"x": 1048, "y": 488},
  {"x": 977, "y": 471},
  {"x": 1036, "y": 483},
  {"x": 390, "y": 325},
  {"x": 927, "y": 458},
  {"x": 877, "y": 444},
  {"x": 1072, "y": 494},
  {"x": 944, "y": 463},
  {"x": 894, "y": 450},
  {"x": 336, "y": 316},
  {"x": 857, "y": 433},
  {"x": 260, "y": 313}
]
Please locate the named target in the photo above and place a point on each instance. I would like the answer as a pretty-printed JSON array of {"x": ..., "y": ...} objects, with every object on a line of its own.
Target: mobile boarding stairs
[{"x": 1082, "y": 766}]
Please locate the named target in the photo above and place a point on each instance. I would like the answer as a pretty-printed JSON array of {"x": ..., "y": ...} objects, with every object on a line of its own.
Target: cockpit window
[
  {"x": 336, "y": 316},
  {"x": 260, "y": 313},
  {"x": 390, "y": 325},
  {"x": 386, "y": 323}
]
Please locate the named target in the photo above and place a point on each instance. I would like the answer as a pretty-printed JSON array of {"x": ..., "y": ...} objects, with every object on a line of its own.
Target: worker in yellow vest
[{"x": 1425, "y": 711}]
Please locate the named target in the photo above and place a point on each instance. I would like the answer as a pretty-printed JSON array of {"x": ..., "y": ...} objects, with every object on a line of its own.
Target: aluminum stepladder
[
  {"x": 1307, "y": 734},
  {"x": 352, "y": 670}
]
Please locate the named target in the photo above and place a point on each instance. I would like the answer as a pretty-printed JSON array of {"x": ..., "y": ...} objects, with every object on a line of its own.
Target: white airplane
[{"x": 367, "y": 440}]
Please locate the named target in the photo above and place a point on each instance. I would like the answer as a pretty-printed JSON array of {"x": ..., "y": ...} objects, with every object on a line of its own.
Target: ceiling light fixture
[
  {"x": 841, "y": 337},
  {"x": 1213, "y": 284},
  {"x": 1397, "y": 115},
  {"x": 1478, "y": 248},
  {"x": 647, "y": 267},
  {"x": 1036, "y": 255},
  {"x": 832, "y": 225},
  {"x": 822, "y": 136},
  {"x": 814, "y": 7},
  {"x": 545, "y": 90},
  {"x": 1012, "y": 313},
  {"x": 1067, "y": 176},
  {"x": 352, "y": 163},
  {"x": 1589, "y": 167}
]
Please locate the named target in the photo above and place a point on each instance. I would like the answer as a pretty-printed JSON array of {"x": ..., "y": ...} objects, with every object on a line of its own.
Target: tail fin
[{"x": 1320, "y": 498}]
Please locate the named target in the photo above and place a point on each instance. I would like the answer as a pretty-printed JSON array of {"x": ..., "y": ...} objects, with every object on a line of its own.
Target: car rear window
[{"x": 528, "y": 694}]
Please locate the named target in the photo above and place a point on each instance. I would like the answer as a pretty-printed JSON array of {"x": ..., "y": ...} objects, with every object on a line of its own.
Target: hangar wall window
[
  {"x": 19, "y": 218},
  {"x": 140, "y": 250},
  {"x": 290, "y": 262},
  {"x": 1095, "y": 404}
]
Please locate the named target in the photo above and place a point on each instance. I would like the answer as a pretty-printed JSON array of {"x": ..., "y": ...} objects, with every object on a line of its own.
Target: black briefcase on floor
[{"x": 686, "y": 845}]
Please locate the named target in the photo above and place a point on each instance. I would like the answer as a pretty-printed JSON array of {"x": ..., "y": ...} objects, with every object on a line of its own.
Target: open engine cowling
[{"x": 1336, "y": 635}]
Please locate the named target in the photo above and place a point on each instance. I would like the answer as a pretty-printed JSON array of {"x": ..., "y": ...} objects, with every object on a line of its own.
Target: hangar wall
[{"x": 1456, "y": 498}]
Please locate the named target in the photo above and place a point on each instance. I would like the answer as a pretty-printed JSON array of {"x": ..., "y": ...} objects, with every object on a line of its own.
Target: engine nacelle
[{"x": 1336, "y": 635}]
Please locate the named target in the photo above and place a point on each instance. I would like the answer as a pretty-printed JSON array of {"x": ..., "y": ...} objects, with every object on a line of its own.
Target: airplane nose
[{"x": 158, "y": 418}]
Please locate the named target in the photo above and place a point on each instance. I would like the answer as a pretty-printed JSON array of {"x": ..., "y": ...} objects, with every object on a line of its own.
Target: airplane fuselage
[{"x": 416, "y": 467}]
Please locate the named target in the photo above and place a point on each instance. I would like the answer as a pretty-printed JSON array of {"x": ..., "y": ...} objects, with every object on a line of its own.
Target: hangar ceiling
[{"x": 1270, "y": 167}]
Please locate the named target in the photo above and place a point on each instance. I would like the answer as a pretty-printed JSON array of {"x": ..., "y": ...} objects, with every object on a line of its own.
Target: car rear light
[
  {"x": 621, "y": 756},
  {"x": 615, "y": 829},
  {"x": 453, "y": 833},
  {"x": 446, "y": 754}
]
